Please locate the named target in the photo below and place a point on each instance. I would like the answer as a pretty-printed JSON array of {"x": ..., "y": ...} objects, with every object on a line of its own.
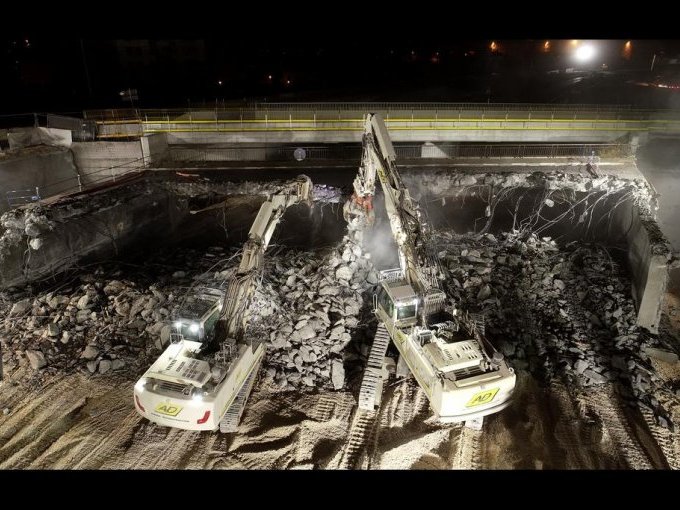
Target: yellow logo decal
[
  {"x": 483, "y": 397},
  {"x": 168, "y": 409}
]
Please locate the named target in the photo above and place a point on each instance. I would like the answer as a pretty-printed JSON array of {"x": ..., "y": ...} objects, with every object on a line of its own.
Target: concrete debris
[
  {"x": 557, "y": 311},
  {"x": 309, "y": 308},
  {"x": 338, "y": 375},
  {"x": 83, "y": 302},
  {"x": 20, "y": 308},
  {"x": 36, "y": 359},
  {"x": 90, "y": 352},
  {"x": 580, "y": 366},
  {"x": 104, "y": 366},
  {"x": 661, "y": 354}
]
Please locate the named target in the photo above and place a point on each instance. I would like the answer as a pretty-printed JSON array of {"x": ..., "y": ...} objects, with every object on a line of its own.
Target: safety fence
[
  {"x": 98, "y": 178},
  {"x": 330, "y": 111},
  {"x": 81, "y": 130},
  {"x": 16, "y": 198}
]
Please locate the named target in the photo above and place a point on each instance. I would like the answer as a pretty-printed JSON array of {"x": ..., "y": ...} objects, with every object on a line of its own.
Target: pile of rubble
[
  {"x": 30, "y": 221},
  {"x": 310, "y": 309},
  {"x": 558, "y": 312},
  {"x": 105, "y": 320}
]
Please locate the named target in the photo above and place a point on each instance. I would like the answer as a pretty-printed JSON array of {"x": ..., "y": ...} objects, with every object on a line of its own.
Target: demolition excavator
[
  {"x": 464, "y": 377},
  {"x": 203, "y": 379}
]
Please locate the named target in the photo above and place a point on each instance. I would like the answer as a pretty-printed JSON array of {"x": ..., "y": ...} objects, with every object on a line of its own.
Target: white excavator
[
  {"x": 464, "y": 377},
  {"x": 203, "y": 379}
]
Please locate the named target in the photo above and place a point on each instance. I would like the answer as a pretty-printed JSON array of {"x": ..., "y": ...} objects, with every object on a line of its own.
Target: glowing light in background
[
  {"x": 546, "y": 46},
  {"x": 493, "y": 46},
  {"x": 585, "y": 52},
  {"x": 627, "y": 50}
]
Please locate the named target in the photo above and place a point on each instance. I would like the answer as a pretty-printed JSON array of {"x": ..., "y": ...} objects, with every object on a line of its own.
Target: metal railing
[
  {"x": 342, "y": 110},
  {"x": 18, "y": 198},
  {"x": 101, "y": 177},
  {"x": 419, "y": 106},
  {"x": 409, "y": 151}
]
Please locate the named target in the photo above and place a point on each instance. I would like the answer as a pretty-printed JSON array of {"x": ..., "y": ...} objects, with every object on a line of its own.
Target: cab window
[
  {"x": 406, "y": 312},
  {"x": 385, "y": 303}
]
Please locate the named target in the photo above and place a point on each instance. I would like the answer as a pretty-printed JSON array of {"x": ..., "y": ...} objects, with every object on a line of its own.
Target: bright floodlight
[{"x": 585, "y": 52}]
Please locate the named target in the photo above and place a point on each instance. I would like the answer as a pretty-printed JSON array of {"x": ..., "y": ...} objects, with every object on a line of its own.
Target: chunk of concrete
[
  {"x": 580, "y": 366},
  {"x": 484, "y": 293},
  {"x": 594, "y": 376},
  {"x": 36, "y": 359},
  {"x": 20, "y": 307},
  {"x": 661, "y": 354},
  {"x": 53, "y": 329},
  {"x": 90, "y": 352},
  {"x": 337, "y": 375},
  {"x": 306, "y": 333},
  {"x": 83, "y": 302},
  {"x": 104, "y": 366}
]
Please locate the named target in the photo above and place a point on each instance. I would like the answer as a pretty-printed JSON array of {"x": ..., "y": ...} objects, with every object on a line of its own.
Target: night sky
[{"x": 72, "y": 74}]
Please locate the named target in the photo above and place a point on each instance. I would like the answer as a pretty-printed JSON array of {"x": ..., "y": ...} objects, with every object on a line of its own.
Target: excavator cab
[
  {"x": 197, "y": 316},
  {"x": 397, "y": 303}
]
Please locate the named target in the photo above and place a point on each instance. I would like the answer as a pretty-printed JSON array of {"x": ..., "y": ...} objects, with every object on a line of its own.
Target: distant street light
[
  {"x": 627, "y": 50},
  {"x": 585, "y": 52}
]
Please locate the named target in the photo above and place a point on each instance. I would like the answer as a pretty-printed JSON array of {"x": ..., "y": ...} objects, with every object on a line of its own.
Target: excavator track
[
  {"x": 232, "y": 417},
  {"x": 371, "y": 384},
  {"x": 362, "y": 433},
  {"x": 361, "y": 441}
]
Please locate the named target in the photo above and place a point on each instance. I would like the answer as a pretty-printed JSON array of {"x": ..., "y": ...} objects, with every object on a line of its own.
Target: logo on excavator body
[
  {"x": 168, "y": 409},
  {"x": 482, "y": 397}
]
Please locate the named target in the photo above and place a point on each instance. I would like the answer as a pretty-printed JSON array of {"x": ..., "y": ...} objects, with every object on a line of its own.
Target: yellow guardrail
[
  {"x": 301, "y": 121},
  {"x": 282, "y": 125}
]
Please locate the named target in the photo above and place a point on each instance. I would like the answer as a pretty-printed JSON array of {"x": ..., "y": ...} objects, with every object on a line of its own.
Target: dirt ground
[{"x": 81, "y": 422}]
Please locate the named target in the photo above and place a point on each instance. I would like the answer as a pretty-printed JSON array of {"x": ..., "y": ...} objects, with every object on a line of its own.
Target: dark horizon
[{"x": 70, "y": 75}]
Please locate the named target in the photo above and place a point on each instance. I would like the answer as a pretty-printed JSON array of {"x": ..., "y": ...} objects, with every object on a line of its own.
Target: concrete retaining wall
[
  {"x": 154, "y": 148},
  {"x": 100, "y": 161},
  {"x": 98, "y": 227},
  {"x": 648, "y": 257},
  {"x": 51, "y": 169},
  {"x": 487, "y": 135}
]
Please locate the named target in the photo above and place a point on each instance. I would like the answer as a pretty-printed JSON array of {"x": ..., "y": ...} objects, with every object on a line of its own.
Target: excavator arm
[
  {"x": 409, "y": 225},
  {"x": 242, "y": 284}
]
